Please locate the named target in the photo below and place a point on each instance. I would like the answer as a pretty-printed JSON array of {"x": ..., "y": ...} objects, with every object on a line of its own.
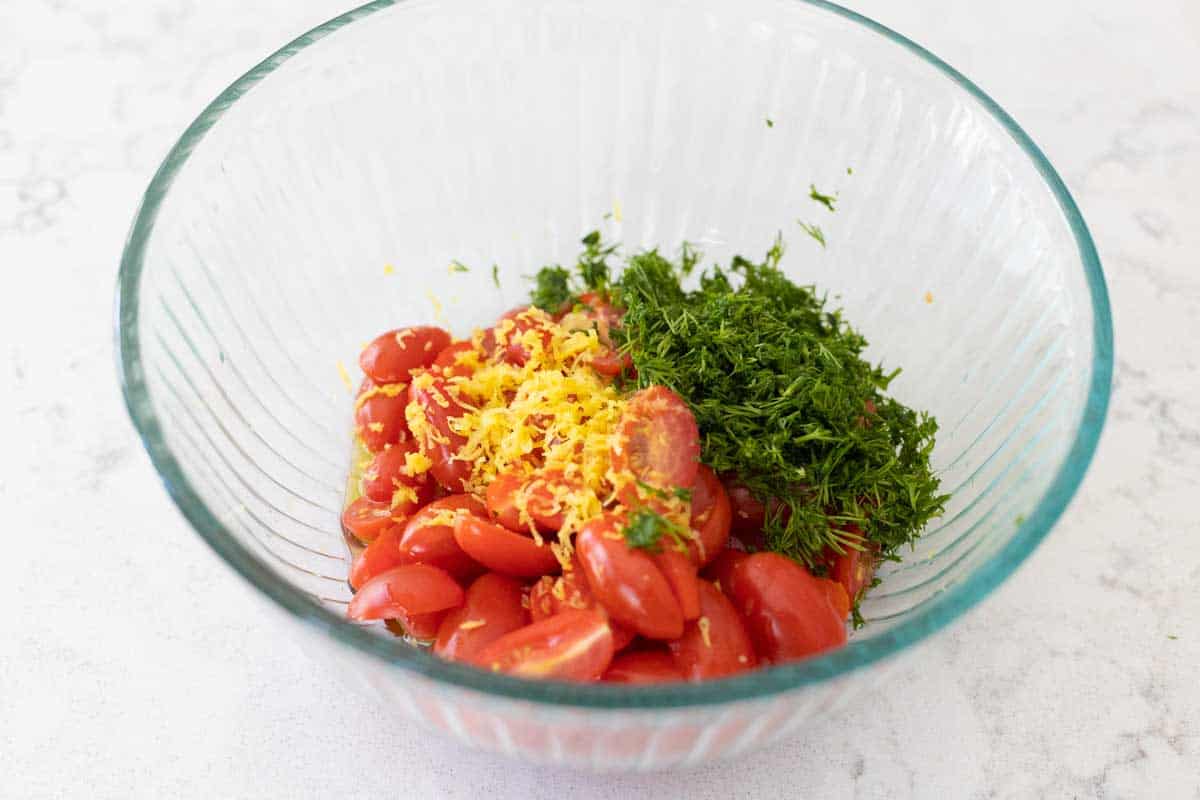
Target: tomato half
[
  {"x": 493, "y": 608},
  {"x": 785, "y": 610},
  {"x": 502, "y": 550},
  {"x": 379, "y": 556},
  {"x": 365, "y": 519},
  {"x": 391, "y": 356},
  {"x": 409, "y": 589},
  {"x": 379, "y": 415},
  {"x": 447, "y": 362},
  {"x": 680, "y": 572},
  {"x": 657, "y": 443},
  {"x": 853, "y": 569},
  {"x": 430, "y": 409},
  {"x": 626, "y": 581},
  {"x": 711, "y": 516},
  {"x": 643, "y": 666},
  {"x": 717, "y": 643},
  {"x": 540, "y": 494},
  {"x": 721, "y": 567},
  {"x": 428, "y": 538},
  {"x": 552, "y": 595},
  {"x": 423, "y": 627},
  {"x": 572, "y": 646},
  {"x": 388, "y": 479},
  {"x": 835, "y": 593}
]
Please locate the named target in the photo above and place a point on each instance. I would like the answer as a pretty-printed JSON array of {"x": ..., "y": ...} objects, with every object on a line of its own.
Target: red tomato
[
  {"x": 717, "y": 643},
  {"x": 502, "y": 550},
  {"x": 431, "y": 407},
  {"x": 409, "y": 589},
  {"x": 657, "y": 442},
  {"x": 835, "y": 593},
  {"x": 493, "y": 608},
  {"x": 605, "y": 317},
  {"x": 387, "y": 480},
  {"x": 571, "y": 646},
  {"x": 516, "y": 349},
  {"x": 379, "y": 556},
  {"x": 784, "y": 608},
  {"x": 711, "y": 516},
  {"x": 721, "y": 567},
  {"x": 552, "y": 595},
  {"x": 539, "y": 492},
  {"x": 643, "y": 666},
  {"x": 489, "y": 335},
  {"x": 853, "y": 569},
  {"x": 391, "y": 356},
  {"x": 626, "y": 581},
  {"x": 379, "y": 416},
  {"x": 365, "y": 519},
  {"x": 680, "y": 572},
  {"x": 447, "y": 360},
  {"x": 501, "y": 499},
  {"x": 427, "y": 541},
  {"x": 750, "y": 515},
  {"x": 422, "y": 627}
]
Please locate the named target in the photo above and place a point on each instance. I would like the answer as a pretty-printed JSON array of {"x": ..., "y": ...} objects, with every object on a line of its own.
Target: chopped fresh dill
[
  {"x": 814, "y": 231},
  {"x": 458, "y": 266},
  {"x": 826, "y": 200},
  {"x": 849, "y": 170},
  {"x": 646, "y": 528},
  {"x": 496, "y": 275},
  {"x": 770, "y": 122}
]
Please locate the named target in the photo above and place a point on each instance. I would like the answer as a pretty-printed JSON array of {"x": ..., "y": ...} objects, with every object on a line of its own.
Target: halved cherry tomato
[
  {"x": 387, "y": 480},
  {"x": 853, "y": 569},
  {"x": 427, "y": 541},
  {"x": 492, "y": 608},
  {"x": 571, "y": 646},
  {"x": 409, "y": 589},
  {"x": 627, "y": 582},
  {"x": 501, "y": 499},
  {"x": 717, "y": 643},
  {"x": 379, "y": 415},
  {"x": 431, "y": 407},
  {"x": 643, "y": 666},
  {"x": 657, "y": 442},
  {"x": 423, "y": 627},
  {"x": 379, "y": 556},
  {"x": 502, "y": 550},
  {"x": 489, "y": 335},
  {"x": 365, "y": 519},
  {"x": 680, "y": 572},
  {"x": 721, "y": 567},
  {"x": 447, "y": 360},
  {"x": 552, "y": 595},
  {"x": 391, "y": 356},
  {"x": 517, "y": 350},
  {"x": 540, "y": 495},
  {"x": 784, "y": 608},
  {"x": 711, "y": 516},
  {"x": 605, "y": 317},
  {"x": 835, "y": 593}
]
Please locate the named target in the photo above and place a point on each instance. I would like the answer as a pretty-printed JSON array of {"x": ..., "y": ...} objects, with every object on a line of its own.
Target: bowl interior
[{"x": 322, "y": 199}]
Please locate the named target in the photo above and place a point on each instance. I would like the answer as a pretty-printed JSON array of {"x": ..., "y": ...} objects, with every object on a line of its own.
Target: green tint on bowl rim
[{"x": 937, "y": 613}]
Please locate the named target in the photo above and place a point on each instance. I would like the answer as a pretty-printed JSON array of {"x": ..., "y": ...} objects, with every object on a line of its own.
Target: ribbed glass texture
[{"x": 321, "y": 199}]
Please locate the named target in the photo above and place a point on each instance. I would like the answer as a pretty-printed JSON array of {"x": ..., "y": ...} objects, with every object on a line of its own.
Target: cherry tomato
[
  {"x": 657, "y": 442},
  {"x": 571, "y": 646},
  {"x": 379, "y": 556},
  {"x": 605, "y": 317},
  {"x": 425, "y": 540},
  {"x": 431, "y": 407},
  {"x": 517, "y": 350},
  {"x": 492, "y": 608},
  {"x": 717, "y": 643},
  {"x": 784, "y": 608},
  {"x": 680, "y": 572},
  {"x": 552, "y": 595},
  {"x": 711, "y": 516},
  {"x": 626, "y": 581},
  {"x": 643, "y": 666},
  {"x": 501, "y": 499},
  {"x": 365, "y": 519},
  {"x": 379, "y": 416},
  {"x": 423, "y": 627},
  {"x": 539, "y": 492},
  {"x": 750, "y": 514},
  {"x": 391, "y": 356},
  {"x": 720, "y": 568},
  {"x": 489, "y": 335},
  {"x": 387, "y": 480},
  {"x": 447, "y": 360},
  {"x": 835, "y": 593},
  {"x": 409, "y": 589},
  {"x": 853, "y": 569},
  {"x": 502, "y": 550}
]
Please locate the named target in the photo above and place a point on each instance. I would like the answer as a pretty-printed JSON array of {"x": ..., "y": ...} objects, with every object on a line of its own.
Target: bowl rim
[{"x": 942, "y": 610}]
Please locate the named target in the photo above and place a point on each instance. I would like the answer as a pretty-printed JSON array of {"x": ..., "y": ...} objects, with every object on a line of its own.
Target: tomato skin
[
  {"x": 657, "y": 443},
  {"x": 711, "y": 516},
  {"x": 441, "y": 444},
  {"x": 492, "y": 599},
  {"x": 538, "y": 490},
  {"x": 643, "y": 666},
  {"x": 720, "y": 568},
  {"x": 446, "y": 363},
  {"x": 379, "y": 416},
  {"x": 680, "y": 572},
  {"x": 544, "y": 601},
  {"x": 409, "y": 589},
  {"x": 379, "y": 556},
  {"x": 391, "y": 356},
  {"x": 626, "y": 581},
  {"x": 525, "y": 320},
  {"x": 571, "y": 646},
  {"x": 835, "y": 593},
  {"x": 423, "y": 627},
  {"x": 853, "y": 569},
  {"x": 502, "y": 550},
  {"x": 726, "y": 649},
  {"x": 425, "y": 543},
  {"x": 784, "y": 608},
  {"x": 365, "y": 519},
  {"x": 501, "y": 499},
  {"x": 605, "y": 317},
  {"x": 387, "y": 474}
]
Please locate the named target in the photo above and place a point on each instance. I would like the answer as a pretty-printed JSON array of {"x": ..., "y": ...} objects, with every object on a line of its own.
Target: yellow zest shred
[
  {"x": 386, "y": 390},
  {"x": 402, "y": 494},
  {"x": 703, "y": 624},
  {"x": 388, "y": 269},
  {"x": 471, "y": 624},
  {"x": 345, "y": 376},
  {"x": 417, "y": 463},
  {"x": 375, "y": 427}
]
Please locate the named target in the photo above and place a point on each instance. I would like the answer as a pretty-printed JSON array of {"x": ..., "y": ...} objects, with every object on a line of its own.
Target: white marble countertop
[{"x": 133, "y": 663}]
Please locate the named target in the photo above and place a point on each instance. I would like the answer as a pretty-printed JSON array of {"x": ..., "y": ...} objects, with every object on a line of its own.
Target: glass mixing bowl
[{"x": 321, "y": 197}]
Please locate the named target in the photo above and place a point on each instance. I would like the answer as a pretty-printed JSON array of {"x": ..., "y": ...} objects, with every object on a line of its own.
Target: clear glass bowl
[{"x": 321, "y": 198}]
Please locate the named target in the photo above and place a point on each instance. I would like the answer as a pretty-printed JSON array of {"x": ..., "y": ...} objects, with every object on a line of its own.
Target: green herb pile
[{"x": 780, "y": 390}]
